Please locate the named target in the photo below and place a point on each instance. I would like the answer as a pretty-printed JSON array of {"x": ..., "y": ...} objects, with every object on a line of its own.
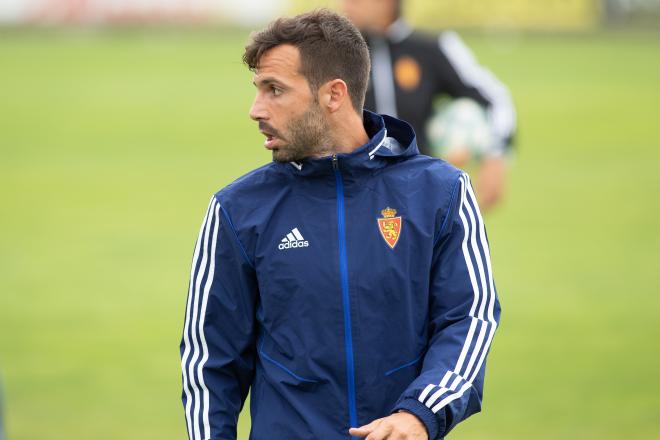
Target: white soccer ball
[{"x": 459, "y": 128}]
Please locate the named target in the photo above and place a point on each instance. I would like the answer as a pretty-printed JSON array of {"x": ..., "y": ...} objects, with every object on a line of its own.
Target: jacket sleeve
[
  {"x": 460, "y": 75},
  {"x": 463, "y": 314},
  {"x": 217, "y": 347}
]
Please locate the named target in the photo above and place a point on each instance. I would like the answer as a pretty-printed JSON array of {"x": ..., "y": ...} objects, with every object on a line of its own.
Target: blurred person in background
[{"x": 411, "y": 70}]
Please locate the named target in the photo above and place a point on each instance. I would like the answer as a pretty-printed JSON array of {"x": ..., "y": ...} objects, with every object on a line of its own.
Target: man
[
  {"x": 410, "y": 70},
  {"x": 347, "y": 284}
]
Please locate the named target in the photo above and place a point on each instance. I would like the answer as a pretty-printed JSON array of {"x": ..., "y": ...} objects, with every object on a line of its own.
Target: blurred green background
[{"x": 112, "y": 141}]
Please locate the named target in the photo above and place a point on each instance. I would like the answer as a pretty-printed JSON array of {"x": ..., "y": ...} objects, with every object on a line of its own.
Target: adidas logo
[{"x": 293, "y": 239}]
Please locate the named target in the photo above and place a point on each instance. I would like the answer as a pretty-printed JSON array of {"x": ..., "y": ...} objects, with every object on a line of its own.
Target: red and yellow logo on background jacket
[{"x": 390, "y": 226}]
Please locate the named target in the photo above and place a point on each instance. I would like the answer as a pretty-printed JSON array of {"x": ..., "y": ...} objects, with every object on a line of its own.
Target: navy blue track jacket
[{"x": 339, "y": 290}]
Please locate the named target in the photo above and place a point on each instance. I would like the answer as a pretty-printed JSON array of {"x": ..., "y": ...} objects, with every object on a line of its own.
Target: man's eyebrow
[{"x": 267, "y": 81}]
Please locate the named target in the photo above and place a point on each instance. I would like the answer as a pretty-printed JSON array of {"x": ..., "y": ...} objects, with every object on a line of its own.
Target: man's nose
[{"x": 257, "y": 111}]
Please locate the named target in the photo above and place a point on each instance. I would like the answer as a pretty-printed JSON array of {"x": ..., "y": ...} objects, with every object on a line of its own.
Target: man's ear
[{"x": 333, "y": 95}]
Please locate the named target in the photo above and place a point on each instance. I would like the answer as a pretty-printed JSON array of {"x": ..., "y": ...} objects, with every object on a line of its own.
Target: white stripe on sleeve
[
  {"x": 202, "y": 318},
  {"x": 484, "y": 293},
  {"x": 187, "y": 323},
  {"x": 191, "y": 334}
]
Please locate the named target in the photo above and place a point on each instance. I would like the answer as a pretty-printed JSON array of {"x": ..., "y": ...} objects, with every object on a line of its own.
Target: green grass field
[{"x": 112, "y": 142}]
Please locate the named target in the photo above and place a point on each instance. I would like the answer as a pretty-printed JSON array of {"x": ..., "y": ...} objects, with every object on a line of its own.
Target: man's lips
[
  {"x": 270, "y": 141},
  {"x": 270, "y": 133}
]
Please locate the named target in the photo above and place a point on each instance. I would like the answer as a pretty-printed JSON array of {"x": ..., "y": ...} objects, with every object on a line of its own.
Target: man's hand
[{"x": 399, "y": 426}]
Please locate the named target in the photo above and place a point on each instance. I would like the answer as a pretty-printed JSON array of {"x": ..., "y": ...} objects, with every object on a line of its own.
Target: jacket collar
[{"x": 389, "y": 139}]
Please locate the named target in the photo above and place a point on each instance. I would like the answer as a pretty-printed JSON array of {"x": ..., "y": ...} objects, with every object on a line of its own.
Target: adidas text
[
  {"x": 293, "y": 244},
  {"x": 293, "y": 239}
]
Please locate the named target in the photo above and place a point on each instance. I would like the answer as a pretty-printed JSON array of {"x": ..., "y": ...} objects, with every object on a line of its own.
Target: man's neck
[
  {"x": 346, "y": 134},
  {"x": 349, "y": 134}
]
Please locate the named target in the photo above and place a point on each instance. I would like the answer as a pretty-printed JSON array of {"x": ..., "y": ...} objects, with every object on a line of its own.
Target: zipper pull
[{"x": 335, "y": 162}]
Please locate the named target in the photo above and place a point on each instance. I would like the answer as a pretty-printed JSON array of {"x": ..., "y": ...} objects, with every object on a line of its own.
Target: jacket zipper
[{"x": 343, "y": 269}]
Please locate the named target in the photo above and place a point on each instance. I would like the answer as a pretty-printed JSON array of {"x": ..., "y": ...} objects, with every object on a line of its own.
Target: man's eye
[{"x": 276, "y": 91}]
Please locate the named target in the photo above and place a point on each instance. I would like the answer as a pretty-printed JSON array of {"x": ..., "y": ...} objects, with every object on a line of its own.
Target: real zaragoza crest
[{"x": 390, "y": 226}]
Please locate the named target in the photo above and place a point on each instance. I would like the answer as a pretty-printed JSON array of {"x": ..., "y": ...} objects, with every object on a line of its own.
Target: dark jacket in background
[{"x": 409, "y": 70}]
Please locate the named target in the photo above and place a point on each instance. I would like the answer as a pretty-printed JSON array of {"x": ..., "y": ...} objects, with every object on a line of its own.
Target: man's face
[{"x": 288, "y": 113}]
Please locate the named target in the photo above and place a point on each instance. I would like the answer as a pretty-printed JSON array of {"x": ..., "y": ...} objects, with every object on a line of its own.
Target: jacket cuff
[{"x": 423, "y": 413}]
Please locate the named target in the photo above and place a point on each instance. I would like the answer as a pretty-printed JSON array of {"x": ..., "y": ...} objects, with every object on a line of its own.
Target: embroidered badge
[{"x": 390, "y": 226}]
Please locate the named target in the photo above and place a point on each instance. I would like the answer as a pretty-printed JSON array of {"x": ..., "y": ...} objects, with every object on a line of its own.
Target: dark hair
[{"x": 330, "y": 48}]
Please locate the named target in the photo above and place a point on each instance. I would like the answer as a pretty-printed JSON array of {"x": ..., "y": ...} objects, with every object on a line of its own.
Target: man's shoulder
[
  {"x": 432, "y": 170},
  {"x": 252, "y": 184},
  {"x": 248, "y": 200},
  {"x": 427, "y": 180}
]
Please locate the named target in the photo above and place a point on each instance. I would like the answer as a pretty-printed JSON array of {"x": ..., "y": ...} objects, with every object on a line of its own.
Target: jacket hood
[{"x": 389, "y": 139}]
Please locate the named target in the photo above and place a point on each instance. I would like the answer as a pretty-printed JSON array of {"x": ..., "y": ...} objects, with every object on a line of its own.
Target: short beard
[{"x": 308, "y": 136}]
